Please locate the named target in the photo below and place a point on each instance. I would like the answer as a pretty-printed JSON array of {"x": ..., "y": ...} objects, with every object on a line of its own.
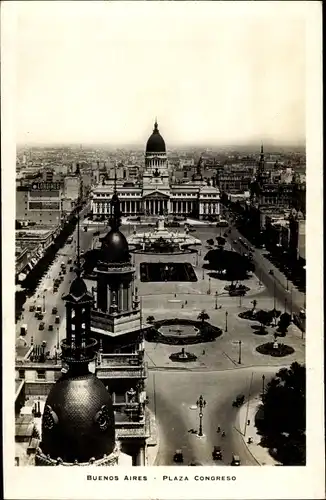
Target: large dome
[
  {"x": 155, "y": 143},
  {"x": 78, "y": 420},
  {"x": 115, "y": 247}
]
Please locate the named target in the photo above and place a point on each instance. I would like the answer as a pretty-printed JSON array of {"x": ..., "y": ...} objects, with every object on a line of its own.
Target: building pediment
[{"x": 155, "y": 195}]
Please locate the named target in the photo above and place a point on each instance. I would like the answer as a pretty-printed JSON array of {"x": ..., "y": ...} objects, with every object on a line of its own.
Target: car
[
  {"x": 40, "y": 316},
  {"x": 57, "y": 320},
  {"x": 41, "y": 326},
  {"x": 50, "y": 328},
  {"x": 178, "y": 456},
  {"x": 217, "y": 453},
  {"x": 235, "y": 460},
  {"x": 235, "y": 241},
  {"x": 54, "y": 310},
  {"x": 32, "y": 308}
]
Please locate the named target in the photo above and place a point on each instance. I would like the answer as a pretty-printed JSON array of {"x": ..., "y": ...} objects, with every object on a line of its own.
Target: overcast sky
[{"x": 212, "y": 73}]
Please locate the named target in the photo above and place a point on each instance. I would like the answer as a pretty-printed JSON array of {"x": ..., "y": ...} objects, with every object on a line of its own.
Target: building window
[
  {"x": 40, "y": 374},
  {"x": 21, "y": 373}
]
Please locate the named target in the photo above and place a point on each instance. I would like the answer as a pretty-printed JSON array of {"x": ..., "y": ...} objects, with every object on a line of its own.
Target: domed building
[
  {"x": 78, "y": 423},
  {"x": 156, "y": 192}
]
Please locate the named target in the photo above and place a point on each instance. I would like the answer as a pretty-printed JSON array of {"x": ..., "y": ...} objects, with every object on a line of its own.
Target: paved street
[
  {"x": 173, "y": 397},
  {"x": 44, "y": 296},
  {"x": 284, "y": 289}
]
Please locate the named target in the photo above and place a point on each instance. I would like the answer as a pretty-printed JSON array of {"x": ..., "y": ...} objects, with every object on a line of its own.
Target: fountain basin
[{"x": 184, "y": 331}]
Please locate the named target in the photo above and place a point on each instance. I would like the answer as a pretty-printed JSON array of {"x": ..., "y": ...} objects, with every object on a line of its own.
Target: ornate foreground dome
[
  {"x": 155, "y": 143},
  {"x": 78, "y": 426}
]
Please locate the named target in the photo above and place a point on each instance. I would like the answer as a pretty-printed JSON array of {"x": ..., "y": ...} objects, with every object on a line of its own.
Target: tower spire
[
  {"x": 115, "y": 221},
  {"x": 155, "y": 124},
  {"x": 115, "y": 179},
  {"x": 78, "y": 270}
]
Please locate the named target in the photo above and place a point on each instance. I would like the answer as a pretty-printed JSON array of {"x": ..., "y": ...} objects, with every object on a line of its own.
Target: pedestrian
[
  {"x": 186, "y": 302},
  {"x": 182, "y": 306},
  {"x": 175, "y": 294},
  {"x": 203, "y": 351},
  {"x": 248, "y": 423}
]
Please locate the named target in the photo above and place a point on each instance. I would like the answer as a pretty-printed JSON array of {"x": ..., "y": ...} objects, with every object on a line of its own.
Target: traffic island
[
  {"x": 259, "y": 330},
  {"x": 249, "y": 315},
  {"x": 183, "y": 356},
  {"x": 182, "y": 332},
  {"x": 275, "y": 349}
]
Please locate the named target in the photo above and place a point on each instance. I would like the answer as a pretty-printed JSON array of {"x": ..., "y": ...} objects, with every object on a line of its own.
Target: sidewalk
[
  {"x": 153, "y": 441},
  {"x": 260, "y": 454}
]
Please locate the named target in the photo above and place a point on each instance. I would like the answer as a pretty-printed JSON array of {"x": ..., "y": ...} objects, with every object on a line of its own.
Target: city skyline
[{"x": 212, "y": 75}]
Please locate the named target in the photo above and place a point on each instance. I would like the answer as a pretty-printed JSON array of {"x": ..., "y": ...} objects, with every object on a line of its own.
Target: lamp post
[
  {"x": 239, "y": 342},
  {"x": 44, "y": 301},
  {"x": 201, "y": 403},
  {"x": 58, "y": 339},
  {"x": 216, "y": 295},
  {"x": 209, "y": 285},
  {"x": 203, "y": 274},
  {"x": 263, "y": 379},
  {"x": 226, "y": 321}
]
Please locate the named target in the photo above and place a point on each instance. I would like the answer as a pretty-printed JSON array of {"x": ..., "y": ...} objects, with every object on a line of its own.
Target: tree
[
  {"x": 210, "y": 242},
  {"x": 150, "y": 319},
  {"x": 203, "y": 316},
  {"x": 263, "y": 318},
  {"x": 284, "y": 323},
  {"x": 220, "y": 241},
  {"x": 283, "y": 424}
]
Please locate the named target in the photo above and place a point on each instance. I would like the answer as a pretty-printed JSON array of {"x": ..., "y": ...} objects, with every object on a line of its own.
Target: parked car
[
  {"x": 23, "y": 330},
  {"x": 41, "y": 326},
  {"x": 54, "y": 310},
  {"x": 50, "y": 328},
  {"x": 32, "y": 308},
  {"x": 57, "y": 320},
  {"x": 40, "y": 316}
]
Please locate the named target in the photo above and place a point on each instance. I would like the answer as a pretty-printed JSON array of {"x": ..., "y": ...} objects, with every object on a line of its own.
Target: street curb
[
  {"x": 185, "y": 369},
  {"x": 243, "y": 437}
]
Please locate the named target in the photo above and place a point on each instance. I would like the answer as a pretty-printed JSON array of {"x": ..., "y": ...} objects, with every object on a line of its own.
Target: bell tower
[{"x": 115, "y": 312}]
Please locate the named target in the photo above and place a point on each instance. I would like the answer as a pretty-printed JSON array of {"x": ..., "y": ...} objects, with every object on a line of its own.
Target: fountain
[
  {"x": 182, "y": 331},
  {"x": 162, "y": 240}
]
